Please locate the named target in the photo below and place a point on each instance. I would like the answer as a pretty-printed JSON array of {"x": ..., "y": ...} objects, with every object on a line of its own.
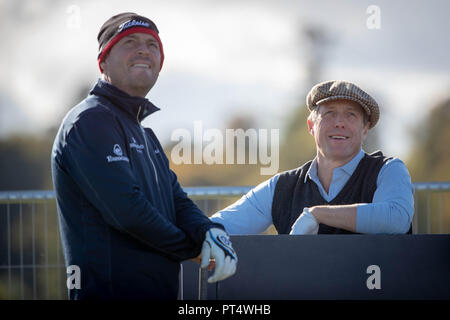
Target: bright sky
[{"x": 227, "y": 57}]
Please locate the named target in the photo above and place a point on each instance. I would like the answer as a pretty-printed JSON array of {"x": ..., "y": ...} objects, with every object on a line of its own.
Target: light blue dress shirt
[{"x": 391, "y": 211}]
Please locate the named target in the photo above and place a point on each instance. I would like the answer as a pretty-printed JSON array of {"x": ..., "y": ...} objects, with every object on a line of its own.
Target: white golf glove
[
  {"x": 217, "y": 245},
  {"x": 305, "y": 224}
]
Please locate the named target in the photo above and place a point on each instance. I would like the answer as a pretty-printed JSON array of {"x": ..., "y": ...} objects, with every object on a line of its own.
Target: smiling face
[
  {"x": 133, "y": 64},
  {"x": 339, "y": 130}
]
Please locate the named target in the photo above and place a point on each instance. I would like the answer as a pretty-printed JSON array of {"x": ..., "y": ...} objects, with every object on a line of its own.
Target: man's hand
[
  {"x": 217, "y": 245},
  {"x": 305, "y": 224},
  {"x": 198, "y": 260}
]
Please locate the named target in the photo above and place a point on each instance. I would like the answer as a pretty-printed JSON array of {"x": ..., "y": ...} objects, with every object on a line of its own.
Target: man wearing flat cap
[
  {"x": 125, "y": 221},
  {"x": 343, "y": 190}
]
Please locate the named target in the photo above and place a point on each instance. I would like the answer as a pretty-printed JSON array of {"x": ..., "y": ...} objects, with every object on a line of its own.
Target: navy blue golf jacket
[{"x": 124, "y": 219}]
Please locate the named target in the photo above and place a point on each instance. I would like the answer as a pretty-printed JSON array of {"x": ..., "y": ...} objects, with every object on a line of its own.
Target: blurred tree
[
  {"x": 297, "y": 145},
  {"x": 24, "y": 163},
  {"x": 219, "y": 174},
  {"x": 429, "y": 160},
  {"x": 316, "y": 44}
]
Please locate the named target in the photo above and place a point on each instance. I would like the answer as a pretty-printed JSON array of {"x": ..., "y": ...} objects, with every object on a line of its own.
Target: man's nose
[
  {"x": 339, "y": 121},
  {"x": 143, "y": 50}
]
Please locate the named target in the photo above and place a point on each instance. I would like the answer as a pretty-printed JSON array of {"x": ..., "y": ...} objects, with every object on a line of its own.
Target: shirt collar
[
  {"x": 348, "y": 168},
  {"x": 137, "y": 107}
]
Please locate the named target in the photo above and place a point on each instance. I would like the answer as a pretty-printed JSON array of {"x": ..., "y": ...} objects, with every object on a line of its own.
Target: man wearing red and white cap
[{"x": 125, "y": 221}]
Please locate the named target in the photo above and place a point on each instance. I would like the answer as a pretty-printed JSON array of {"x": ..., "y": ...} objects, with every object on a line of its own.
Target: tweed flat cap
[{"x": 339, "y": 89}]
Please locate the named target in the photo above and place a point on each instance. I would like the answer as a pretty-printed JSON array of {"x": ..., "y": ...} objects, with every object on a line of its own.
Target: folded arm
[{"x": 390, "y": 212}]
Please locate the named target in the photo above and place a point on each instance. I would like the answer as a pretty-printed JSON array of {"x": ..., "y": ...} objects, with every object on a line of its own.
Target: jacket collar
[{"x": 137, "y": 107}]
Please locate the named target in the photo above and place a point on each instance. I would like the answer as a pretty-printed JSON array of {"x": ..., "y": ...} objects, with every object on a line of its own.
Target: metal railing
[
  {"x": 31, "y": 260},
  {"x": 431, "y": 207}
]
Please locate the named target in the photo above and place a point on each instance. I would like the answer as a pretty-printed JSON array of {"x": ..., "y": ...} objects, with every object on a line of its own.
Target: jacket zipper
[{"x": 146, "y": 147}]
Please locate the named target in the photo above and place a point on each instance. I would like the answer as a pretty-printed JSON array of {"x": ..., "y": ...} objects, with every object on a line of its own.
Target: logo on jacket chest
[
  {"x": 138, "y": 147},
  {"x": 117, "y": 150}
]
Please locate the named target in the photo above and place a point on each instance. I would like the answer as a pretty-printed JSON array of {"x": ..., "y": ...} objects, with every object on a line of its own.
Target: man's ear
[
  {"x": 366, "y": 130},
  {"x": 310, "y": 124},
  {"x": 102, "y": 66}
]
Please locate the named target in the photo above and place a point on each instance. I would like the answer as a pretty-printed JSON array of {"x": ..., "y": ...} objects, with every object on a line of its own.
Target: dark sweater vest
[{"x": 292, "y": 193}]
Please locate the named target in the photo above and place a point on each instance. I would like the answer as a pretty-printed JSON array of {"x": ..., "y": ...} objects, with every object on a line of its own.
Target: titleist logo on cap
[{"x": 133, "y": 23}]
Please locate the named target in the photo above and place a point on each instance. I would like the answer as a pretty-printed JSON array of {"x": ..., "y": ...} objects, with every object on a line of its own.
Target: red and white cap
[{"x": 121, "y": 25}]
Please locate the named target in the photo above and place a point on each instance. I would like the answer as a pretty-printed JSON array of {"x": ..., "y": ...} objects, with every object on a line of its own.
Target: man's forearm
[{"x": 342, "y": 216}]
